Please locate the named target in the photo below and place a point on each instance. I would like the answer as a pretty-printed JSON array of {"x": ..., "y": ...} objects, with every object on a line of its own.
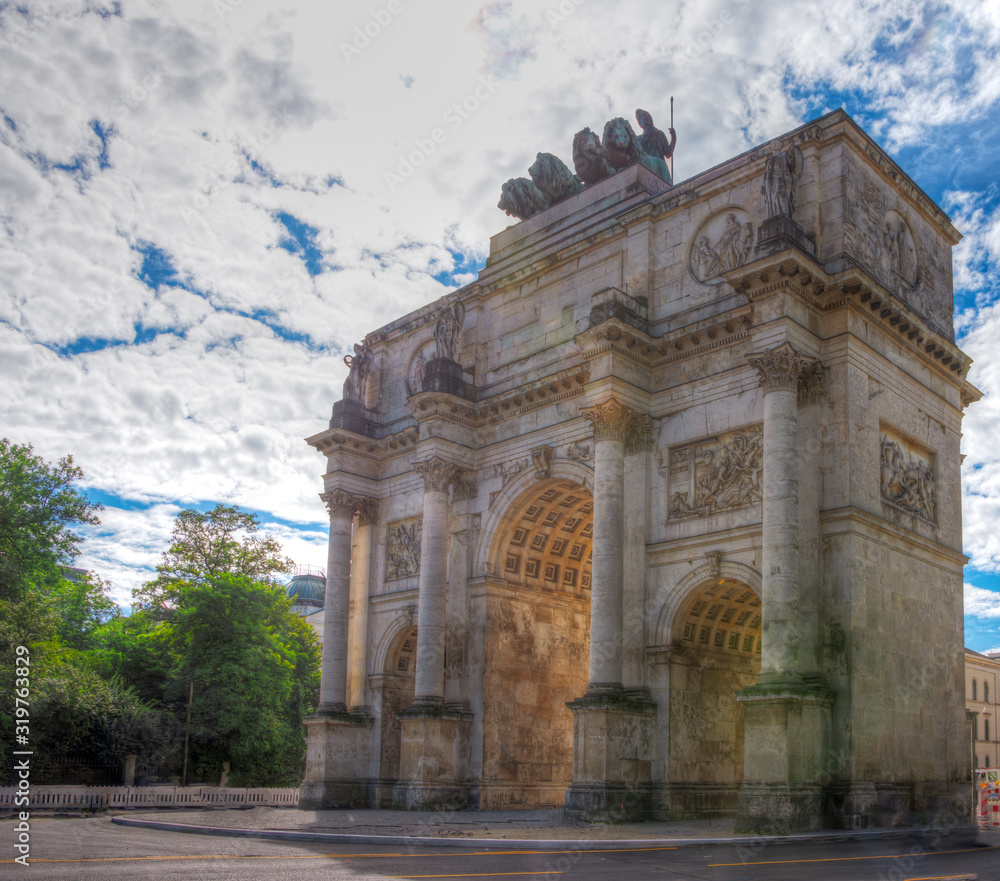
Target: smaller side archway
[
  {"x": 393, "y": 687},
  {"x": 710, "y": 632}
]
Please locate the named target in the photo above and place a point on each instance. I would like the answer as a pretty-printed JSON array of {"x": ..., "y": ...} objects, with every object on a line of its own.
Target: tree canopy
[
  {"x": 216, "y": 620},
  {"x": 204, "y": 545},
  {"x": 254, "y": 664},
  {"x": 76, "y": 709},
  {"x": 39, "y": 505}
]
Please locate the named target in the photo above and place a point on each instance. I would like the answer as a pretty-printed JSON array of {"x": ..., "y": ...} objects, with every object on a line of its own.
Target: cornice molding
[{"x": 855, "y": 289}]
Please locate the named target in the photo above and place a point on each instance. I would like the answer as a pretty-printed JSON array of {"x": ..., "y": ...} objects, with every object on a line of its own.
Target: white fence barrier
[{"x": 67, "y": 797}]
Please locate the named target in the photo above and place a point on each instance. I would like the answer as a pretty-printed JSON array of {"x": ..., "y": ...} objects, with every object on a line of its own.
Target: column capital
[
  {"x": 340, "y": 504},
  {"x": 367, "y": 510},
  {"x": 780, "y": 368},
  {"x": 610, "y": 419},
  {"x": 437, "y": 473},
  {"x": 343, "y": 505},
  {"x": 639, "y": 435}
]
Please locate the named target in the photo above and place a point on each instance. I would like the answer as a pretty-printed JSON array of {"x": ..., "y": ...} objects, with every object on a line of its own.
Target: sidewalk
[{"x": 521, "y": 829}]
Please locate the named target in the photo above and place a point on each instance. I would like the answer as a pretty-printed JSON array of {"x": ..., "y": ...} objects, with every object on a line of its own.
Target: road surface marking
[
  {"x": 347, "y": 856},
  {"x": 885, "y": 856},
  {"x": 486, "y": 875}
]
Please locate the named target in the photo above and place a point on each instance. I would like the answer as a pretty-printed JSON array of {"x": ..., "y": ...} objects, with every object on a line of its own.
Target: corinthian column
[
  {"x": 611, "y": 421},
  {"x": 336, "y": 609},
  {"x": 361, "y": 578},
  {"x": 780, "y": 369},
  {"x": 638, "y": 448},
  {"x": 431, "y": 610}
]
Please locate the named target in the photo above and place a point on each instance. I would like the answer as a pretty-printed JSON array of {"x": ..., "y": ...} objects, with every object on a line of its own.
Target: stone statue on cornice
[
  {"x": 780, "y": 173},
  {"x": 360, "y": 364},
  {"x": 446, "y": 330}
]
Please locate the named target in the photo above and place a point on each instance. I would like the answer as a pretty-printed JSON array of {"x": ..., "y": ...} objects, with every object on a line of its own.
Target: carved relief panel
[
  {"x": 716, "y": 474},
  {"x": 403, "y": 552},
  {"x": 907, "y": 475},
  {"x": 426, "y": 351},
  {"x": 900, "y": 250},
  {"x": 722, "y": 242}
]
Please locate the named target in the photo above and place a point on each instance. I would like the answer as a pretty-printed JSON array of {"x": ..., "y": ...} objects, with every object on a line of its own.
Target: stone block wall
[{"x": 536, "y": 662}]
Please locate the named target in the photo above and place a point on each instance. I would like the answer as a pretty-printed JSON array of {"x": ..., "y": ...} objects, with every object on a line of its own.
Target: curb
[{"x": 559, "y": 844}]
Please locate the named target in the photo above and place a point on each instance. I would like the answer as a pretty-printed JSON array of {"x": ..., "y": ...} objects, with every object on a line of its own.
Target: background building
[{"x": 982, "y": 676}]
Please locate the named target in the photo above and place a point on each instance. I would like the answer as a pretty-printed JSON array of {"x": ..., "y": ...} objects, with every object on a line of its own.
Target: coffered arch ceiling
[
  {"x": 549, "y": 538},
  {"x": 724, "y": 617}
]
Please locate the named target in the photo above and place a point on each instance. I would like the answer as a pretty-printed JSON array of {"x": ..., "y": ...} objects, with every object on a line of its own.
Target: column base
[
  {"x": 943, "y": 807},
  {"x": 338, "y": 758},
  {"x": 694, "y": 801},
  {"x": 434, "y": 759},
  {"x": 786, "y": 755},
  {"x": 779, "y": 809},
  {"x": 612, "y": 757}
]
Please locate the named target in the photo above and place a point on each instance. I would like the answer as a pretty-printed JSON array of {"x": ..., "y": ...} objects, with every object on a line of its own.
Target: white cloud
[
  {"x": 205, "y": 111},
  {"x": 981, "y": 603}
]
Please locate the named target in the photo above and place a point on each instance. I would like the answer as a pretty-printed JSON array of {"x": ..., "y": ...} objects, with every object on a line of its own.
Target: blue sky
[{"x": 204, "y": 205}]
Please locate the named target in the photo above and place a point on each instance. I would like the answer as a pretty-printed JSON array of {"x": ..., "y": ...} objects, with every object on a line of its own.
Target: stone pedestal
[
  {"x": 434, "y": 760},
  {"x": 777, "y": 233},
  {"x": 352, "y": 416},
  {"x": 444, "y": 375},
  {"x": 338, "y": 755},
  {"x": 612, "y": 759},
  {"x": 787, "y": 762}
]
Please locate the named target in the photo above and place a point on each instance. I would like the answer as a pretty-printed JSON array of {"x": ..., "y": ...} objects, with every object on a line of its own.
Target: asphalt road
[{"x": 94, "y": 849}]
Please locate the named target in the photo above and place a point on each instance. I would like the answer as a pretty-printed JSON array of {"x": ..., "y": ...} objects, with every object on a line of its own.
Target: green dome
[{"x": 307, "y": 590}]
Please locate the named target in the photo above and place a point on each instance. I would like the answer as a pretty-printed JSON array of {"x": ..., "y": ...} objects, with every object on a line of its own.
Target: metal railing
[{"x": 104, "y": 797}]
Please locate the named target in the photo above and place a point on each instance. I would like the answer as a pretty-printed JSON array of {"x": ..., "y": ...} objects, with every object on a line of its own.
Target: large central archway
[{"x": 537, "y": 643}]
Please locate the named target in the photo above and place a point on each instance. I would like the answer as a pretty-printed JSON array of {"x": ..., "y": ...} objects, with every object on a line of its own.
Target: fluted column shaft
[
  {"x": 336, "y": 609},
  {"x": 780, "y": 369},
  {"x": 432, "y": 582},
  {"x": 361, "y": 578},
  {"x": 610, "y": 421}
]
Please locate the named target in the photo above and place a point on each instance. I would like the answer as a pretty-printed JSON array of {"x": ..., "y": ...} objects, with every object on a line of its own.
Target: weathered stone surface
[{"x": 696, "y": 474}]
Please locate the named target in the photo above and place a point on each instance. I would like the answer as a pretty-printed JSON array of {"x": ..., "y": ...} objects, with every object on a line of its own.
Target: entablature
[{"x": 853, "y": 288}]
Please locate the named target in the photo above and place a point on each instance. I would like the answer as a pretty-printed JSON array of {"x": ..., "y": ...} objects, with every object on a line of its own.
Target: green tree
[
  {"x": 76, "y": 713},
  {"x": 214, "y": 618},
  {"x": 39, "y": 505},
  {"x": 255, "y": 668},
  {"x": 223, "y": 541},
  {"x": 81, "y": 606}
]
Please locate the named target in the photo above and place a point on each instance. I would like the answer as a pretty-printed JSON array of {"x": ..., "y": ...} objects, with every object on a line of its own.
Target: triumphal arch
[{"x": 661, "y": 516}]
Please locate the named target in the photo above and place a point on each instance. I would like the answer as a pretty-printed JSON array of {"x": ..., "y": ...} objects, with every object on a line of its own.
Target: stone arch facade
[
  {"x": 392, "y": 684},
  {"x": 390, "y": 641},
  {"x": 772, "y": 390}
]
